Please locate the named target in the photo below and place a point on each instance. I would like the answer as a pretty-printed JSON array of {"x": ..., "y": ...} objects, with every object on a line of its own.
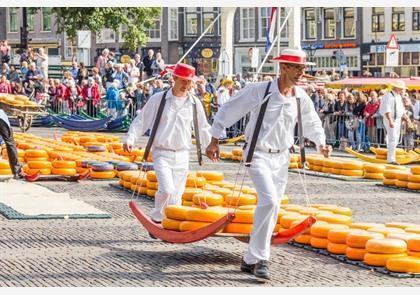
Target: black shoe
[
  {"x": 261, "y": 270},
  {"x": 18, "y": 176},
  {"x": 393, "y": 163},
  {"x": 245, "y": 267}
]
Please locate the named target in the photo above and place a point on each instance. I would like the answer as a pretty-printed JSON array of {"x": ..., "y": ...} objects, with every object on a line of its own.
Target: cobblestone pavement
[{"x": 119, "y": 252}]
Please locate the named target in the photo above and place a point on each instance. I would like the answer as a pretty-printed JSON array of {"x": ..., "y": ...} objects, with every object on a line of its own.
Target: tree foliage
[{"x": 137, "y": 20}]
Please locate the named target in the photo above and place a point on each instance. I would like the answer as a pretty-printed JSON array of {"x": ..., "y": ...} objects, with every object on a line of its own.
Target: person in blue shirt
[
  {"x": 120, "y": 75},
  {"x": 113, "y": 99},
  {"x": 6, "y": 135},
  {"x": 74, "y": 70}
]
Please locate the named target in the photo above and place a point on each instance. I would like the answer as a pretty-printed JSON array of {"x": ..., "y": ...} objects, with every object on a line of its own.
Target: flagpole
[{"x": 278, "y": 38}]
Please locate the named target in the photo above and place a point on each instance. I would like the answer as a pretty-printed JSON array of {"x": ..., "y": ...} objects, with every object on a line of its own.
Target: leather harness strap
[{"x": 196, "y": 131}]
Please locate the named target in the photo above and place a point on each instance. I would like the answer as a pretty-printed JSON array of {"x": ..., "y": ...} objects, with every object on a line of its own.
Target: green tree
[{"x": 137, "y": 20}]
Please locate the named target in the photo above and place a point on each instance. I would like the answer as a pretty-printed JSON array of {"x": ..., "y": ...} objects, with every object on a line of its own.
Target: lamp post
[{"x": 310, "y": 50}]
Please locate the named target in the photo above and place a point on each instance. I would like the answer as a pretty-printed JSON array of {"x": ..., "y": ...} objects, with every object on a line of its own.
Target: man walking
[
  {"x": 275, "y": 103},
  {"x": 6, "y": 134}
]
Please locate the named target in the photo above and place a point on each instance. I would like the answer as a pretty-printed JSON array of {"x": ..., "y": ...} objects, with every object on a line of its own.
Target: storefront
[
  {"x": 409, "y": 59},
  {"x": 242, "y": 61},
  {"x": 204, "y": 58}
]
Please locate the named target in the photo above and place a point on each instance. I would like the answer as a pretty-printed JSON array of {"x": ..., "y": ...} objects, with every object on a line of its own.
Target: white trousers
[
  {"x": 392, "y": 137},
  {"x": 171, "y": 171},
  {"x": 269, "y": 175}
]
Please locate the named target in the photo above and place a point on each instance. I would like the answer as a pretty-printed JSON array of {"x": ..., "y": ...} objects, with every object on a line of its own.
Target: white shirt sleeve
[
  {"x": 203, "y": 125},
  {"x": 386, "y": 104},
  {"x": 237, "y": 107}
]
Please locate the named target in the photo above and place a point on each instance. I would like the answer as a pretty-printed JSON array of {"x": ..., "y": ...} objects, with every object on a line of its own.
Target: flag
[{"x": 271, "y": 29}]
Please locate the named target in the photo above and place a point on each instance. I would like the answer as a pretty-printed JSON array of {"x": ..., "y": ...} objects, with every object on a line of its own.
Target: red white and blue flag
[{"x": 271, "y": 28}]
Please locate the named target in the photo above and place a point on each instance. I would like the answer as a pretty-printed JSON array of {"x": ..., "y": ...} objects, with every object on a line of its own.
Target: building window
[
  {"x": 69, "y": 49},
  {"x": 349, "y": 24},
  {"x": 173, "y": 23},
  {"x": 282, "y": 18},
  {"x": 31, "y": 26},
  {"x": 247, "y": 16},
  {"x": 416, "y": 18},
  {"x": 329, "y": 23},
  {"x": 154, "y": 32},
  {"x": 209, "y": 14},
  {"x": 380, "y": 58},
  {"x": 263, "y": 19},
  {"x": 105, "y": 36},
  {"x": 415, "y": 58},
  {"x": 191, "y": 21},
  {"x": 46, "y": 19},
  {"x": 310, "y": 24},
  {"x": 398, "y": 19},
  {"x": 378, "y": 19},
  {"x": 13, "y": 26},
  {"x": 406, "y": 58}
]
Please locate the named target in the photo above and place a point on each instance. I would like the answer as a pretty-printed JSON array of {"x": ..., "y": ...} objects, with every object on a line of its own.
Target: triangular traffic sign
[{"x": 392, "y": 43}]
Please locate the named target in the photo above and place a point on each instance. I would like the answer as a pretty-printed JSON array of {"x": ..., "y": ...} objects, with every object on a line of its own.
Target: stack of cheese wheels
[
  {"x": 195, "y": 181},
  {"x": 408, "y": 264},
  {"x": 413, "y": 229},
  {"x": 337, "y": 240},
  {"x": 390, "y": 177},
  {"x": 378, "y": 251},
  {"x": 352, "y": 168},
  {"x": 187, "y": 196},
  {"x": 211, "y": 175},
  {"x": 295, "y": 162},
  {"x": 43, "y": 167},
  {"x": 21, "y": 155},
  {"x": 305, "y": 236},
  {"x": 226, "y": 155},
  {"x": 413, "y": 245},
  {"x": 382, "y": 153},
  {"x": 105, "y": 171},
  {"x": 319, "y": 234},
  {"x": 331, "y": 166},
  {"x": 5, "y": 168},
  {"x": 385, "y": 230},
  {"x": 402, "y": 178},
  {"x": 61, "y": 167},
  {"x": 237, "y": 155},
  {"x": 36, "y": 155},
  {"x": 317, "y": 164},
  {"x": 152, "y": 183},
  {"x": 137, "y": 180},
  {"x": 373, "y": 171},
  {"x": 237, "y": 198},
  {"x": 207, "y": 198},
  {"x": 356, "y": 243},
  {"x": 414, "y": 178}
]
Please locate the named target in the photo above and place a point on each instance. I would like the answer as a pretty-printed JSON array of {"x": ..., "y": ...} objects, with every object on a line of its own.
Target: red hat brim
[{"x": 193, "y": 78}]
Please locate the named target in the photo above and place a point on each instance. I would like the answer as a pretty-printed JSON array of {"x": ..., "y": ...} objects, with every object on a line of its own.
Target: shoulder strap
[
  {"x": 155, "y": 126},
  {"x": 196, "y": 131},
  {"x": 300, "y": 130},
  {"x": 258, "y": 125},
  {"x": 395, "y": 105}
]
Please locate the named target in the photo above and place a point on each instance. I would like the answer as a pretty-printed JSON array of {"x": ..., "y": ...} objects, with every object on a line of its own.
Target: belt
[
  {"x": 271, "y": 151},
  {"x": 169, "y": 150}
]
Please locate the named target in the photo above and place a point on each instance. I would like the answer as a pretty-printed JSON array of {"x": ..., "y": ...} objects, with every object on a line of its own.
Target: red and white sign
[
  {"x": 392, "y": 52},
  {"x": 392, "y": 43}
]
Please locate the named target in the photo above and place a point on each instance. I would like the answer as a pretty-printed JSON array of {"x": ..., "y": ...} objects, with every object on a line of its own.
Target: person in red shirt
[
  {"x": 370, "y": 110},
  {"x": 5, "y": 86},
  {"x": 91, "y": 96},
  {"x": 70, "y": 96}
]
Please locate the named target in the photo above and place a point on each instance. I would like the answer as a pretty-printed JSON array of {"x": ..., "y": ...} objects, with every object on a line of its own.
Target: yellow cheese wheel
[
  {"x": 414, "y": 253},
  {"x": 63, "y": 171},
  {"x": 413, "y": 185},
  {"x": 386, "y": 246},
  {"x": 192, "y": 225},
  {"x": 303, "y": 239},
  {"x": 319, "y": 242},
  {"x": 151, "y": 192},
  {"x": 64, "y": 164},
  {"x": 187, "y": 203},
  {"x": 317, "y": 168},
  {"x": 240, "y": 199},
  {"x": 355, "y": 173},
  {"x": 178, "y": 212},
  {"x": 31, "y": 159},
  {"x": 373, "y": 168},
  {"x": 415, "y": 170},
  {"x": 211, "y": 214},
  {"x": 250, "y": 191},
  {"x": 378, "y": 176},
  {"x": 413, "y": 178},
  {"x": 171, "y": 224},
  {"x": 359, "y": 239},
  {"x": 339, "y": 235},
  {"x": 328, "y": 163},
  {"x": 336, "y": 248},
  {"x": 308, "y": 211},
  {"x": 336, "y": 171},
  {"x": 121, "y": 182},
  {"x": 5, "y": 164},
  {"x": 334, "y": 218},
  {"x": 327, "y": 170},
  {"x": 413, "y": 244},
  {"x": 394, "y": 167},
  {"x": 404, "y": 264},
  {"x": 343, "y": 211},
  {"x": 127, "y": 184},
  {"x": 401, "y": 225},
  {"x": 151, "y": 176},
  {"x": 140, "y": 181},
  {"x": 385, "y": 230},
  {"x": 208, "y": 198},
  {"x": 413, "y": 229},
  {"x": 352, "y": 165},
  {"x": 287, "y": 219},
  {"x": 5, "y": 172},
  {"x": 318, "y": 161},
  {"x": 102, "y": 174},
  {"x": 33, "y": 153},
  {"x": 195, "y": 181},
  {"x": 402, "y": 236},
  {"x": 124, "y": 175},
  {"x": 292, "y": 207},
  {"x": 210, "y": 175},
  {"x": 34, "y": 171},
  {"x": 390, "y": 174},
  {"x": 355, "y": 253},
  {"x": 152, "y": 185},
  {"x": 247, "y": 207},
  {"x": 220, "y": 191},
  {"x": 375, "y": 259},
  {"x": 390, "y": 182},
  {"x": 244, "y": 216},
  {"x": 142, "y": 190},
  {"x": 321, "y": 230},
  {"x": 402, "y": 175},
  {"x": 401, "y": 183},
  {"x": 237, "y": 152},
  {"x": 189, "y": 192}
]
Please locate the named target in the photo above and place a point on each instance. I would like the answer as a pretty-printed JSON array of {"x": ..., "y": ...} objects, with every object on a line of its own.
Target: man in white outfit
[
  {"x": 268, "y": 168},
  {"x": 392, "y": 111},
  {"x": 172, "y": 141}
]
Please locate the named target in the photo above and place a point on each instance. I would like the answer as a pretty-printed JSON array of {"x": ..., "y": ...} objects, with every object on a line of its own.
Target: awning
[{"x": 366, "y": 84}]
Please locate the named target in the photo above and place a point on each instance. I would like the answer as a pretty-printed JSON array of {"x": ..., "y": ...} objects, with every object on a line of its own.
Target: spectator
[
  {"x": 102, "y": 61},
  {"x": 74, "y": 70},
  {"x": 5, "y": 70},
  {"x": 71, "y": 95},
  {"x": 351, "y": 122},
  {"x": 6, "y": 134},
  {"x": 24, "y": 69},
  {"x": 83, "y": 73},
  {"x": 238, "y": 77},
  {"x": 18, "y": 89},
  {"x": 5, "y": 86},
  {"x": 120, "y": 75},
  {"x": 408, "y": 127},
  {"x": 113, "y": 99},
  {"x": 33, "y": 74},
  {"x": 14, "y": 75},
  {"x": 158, "y": 86},
  {"x": 158, "y": 65},
  {"x": 91, "y": 96},
  {"x": 329, "y": 123},
  {"x": 42, "y": 62},
  {"x": 416, "y": 115},
  {"x": 112, "y": 57},
  {"x": 109, "y": 74},
  {"x": 358, "y": 112},
  {"x": 148, "y": 61},
  {"x": 141, "y": 97},
  {"x": 339, "y": 112},
  {"x": 369, "y": 113},
  {"x": 133, "y": 72},
  {"x": 97, "y": 78},
  {"x": 5, "y": 52},
  {"x": 139, "y": 64},
  {"x": 313, "y": 94}
]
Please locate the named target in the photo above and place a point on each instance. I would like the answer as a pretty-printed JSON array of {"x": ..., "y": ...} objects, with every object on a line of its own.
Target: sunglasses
[{"x": 297, "y": 67}]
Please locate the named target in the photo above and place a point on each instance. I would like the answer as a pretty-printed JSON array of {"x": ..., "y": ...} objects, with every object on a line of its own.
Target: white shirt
[
  {"x": 174, "y": 131},
  {"x": 4, "y": 117},
  {"x": 222, "y": 95},
  {"x": 416, "y": 110},
  {"x": 388, "y": 103},
  {"x": 280, "y": 118}
]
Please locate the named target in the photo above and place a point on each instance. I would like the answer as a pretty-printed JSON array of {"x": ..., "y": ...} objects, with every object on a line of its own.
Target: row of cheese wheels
[
  {"x": 5, "y": 168},
  {"x": 374, "y": 244},
  {"x": 17, "y": 100},
  {"x": 381, "y": 153},
  {"x": 408, "y": 178}
]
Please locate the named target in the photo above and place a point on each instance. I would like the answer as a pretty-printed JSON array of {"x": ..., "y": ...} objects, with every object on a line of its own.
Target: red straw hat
[
  {"x": 293, "y": 56},
  {"x": 184, "y": 71}
]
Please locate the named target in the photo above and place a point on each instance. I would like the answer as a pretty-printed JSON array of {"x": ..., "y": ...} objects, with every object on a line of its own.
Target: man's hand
[
  {"x": 212, "y": 151},
  {"x": 326, "y": 150},
  {"x": 391, "y": 124},
  {"x": 127, "y": 147}
]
